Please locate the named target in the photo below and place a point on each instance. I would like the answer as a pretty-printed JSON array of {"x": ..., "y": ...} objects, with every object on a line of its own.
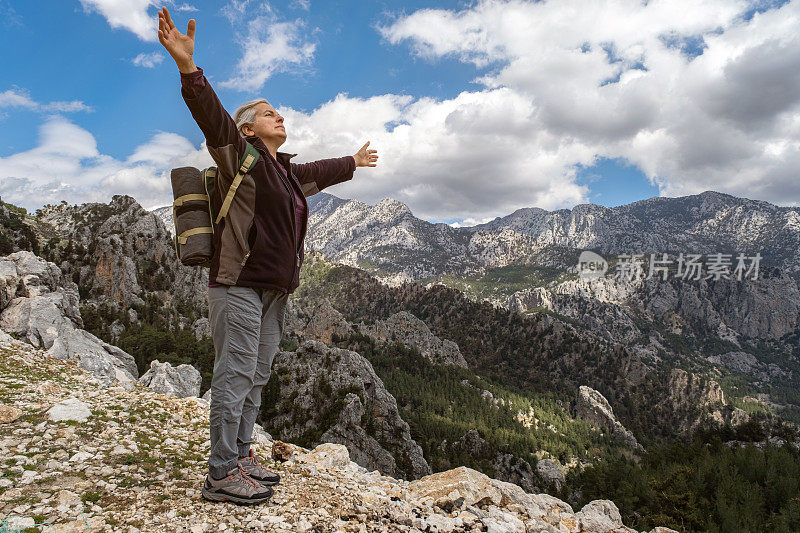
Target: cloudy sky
[{"x": 477, "y": 108}]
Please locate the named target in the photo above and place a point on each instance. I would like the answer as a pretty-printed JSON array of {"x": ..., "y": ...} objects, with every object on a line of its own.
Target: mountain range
[{"x": 434, "y": 346}]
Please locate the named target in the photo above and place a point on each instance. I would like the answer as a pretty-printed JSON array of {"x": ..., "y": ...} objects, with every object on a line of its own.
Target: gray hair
[{"x": 246, "y": 114}]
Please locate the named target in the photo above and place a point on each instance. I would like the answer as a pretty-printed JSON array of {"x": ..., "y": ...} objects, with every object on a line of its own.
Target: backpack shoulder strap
[{"x": 249, "y": 160}]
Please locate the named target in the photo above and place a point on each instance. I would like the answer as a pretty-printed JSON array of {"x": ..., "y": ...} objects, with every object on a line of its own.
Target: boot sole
[{"x": 219, "y": 497}]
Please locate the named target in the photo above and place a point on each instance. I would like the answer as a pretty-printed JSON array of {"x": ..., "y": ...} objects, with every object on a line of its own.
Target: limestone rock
[
  {"x": 18, "y": 523},
  {"x": 407, "y": 329},
  {"x": 687, "y": 389},
  {"x": 325, "y": 322},
  {"x": 475, "y": 487},
  {"x": 8, "y": 413},
  {"x": 108, "y": 363},
  {"x": 181, "y": 381},
  {"x": 747, "y": 363},
  {"x": 551, "y": 472},
  {"x": 328, "y": 456},
  {"x": 201, "y": 328},
  {"x": 69, "y": 409},
  {"x": 44, "y": 312},
  {"x": 601, "y": 516},
  {"x": 124, "y": 253},
  {"x": 508, "y": 467},
  {"x": 339, "y": 387},
  {"x": 595, "y": 409},
  {"x": 321, "y": 488}
]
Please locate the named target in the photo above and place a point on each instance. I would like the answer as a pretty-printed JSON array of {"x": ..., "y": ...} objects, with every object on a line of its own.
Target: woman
[{"x": 258, "y": 250}]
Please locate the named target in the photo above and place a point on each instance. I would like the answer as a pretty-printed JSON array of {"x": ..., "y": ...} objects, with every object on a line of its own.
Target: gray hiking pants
[{"x": 246, "y": 325}]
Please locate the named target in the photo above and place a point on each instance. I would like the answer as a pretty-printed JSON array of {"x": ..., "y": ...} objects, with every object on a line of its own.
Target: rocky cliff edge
[{"x": 112, "y": 458}]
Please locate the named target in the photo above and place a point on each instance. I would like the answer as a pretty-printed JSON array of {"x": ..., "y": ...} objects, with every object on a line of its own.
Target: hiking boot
[
  {"x": 237, "y": 487},
  {"x": 252, "y": 463}
]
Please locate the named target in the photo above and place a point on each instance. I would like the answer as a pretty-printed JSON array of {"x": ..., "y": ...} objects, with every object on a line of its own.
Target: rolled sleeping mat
[{"x": 193, "y": 230}]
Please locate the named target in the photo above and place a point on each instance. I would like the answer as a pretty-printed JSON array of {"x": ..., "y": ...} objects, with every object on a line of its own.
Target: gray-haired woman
[{"x": 258, "y": 250}]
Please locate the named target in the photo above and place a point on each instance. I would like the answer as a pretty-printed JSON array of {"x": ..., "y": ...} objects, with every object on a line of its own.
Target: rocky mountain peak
[{"x": 391, "y": 207}]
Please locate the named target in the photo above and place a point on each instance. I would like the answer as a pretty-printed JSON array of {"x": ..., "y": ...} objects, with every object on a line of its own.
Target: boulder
[
  {"x": 601, "y": 516},
  {"x": 8, "y": 413},
  {"x": 43, "y": 311},
  {"x": 475, "y": 487},
  {"x": 69, "y": 409},
  {"x": 181, "y": 381},
  {"x": 328, "y": 456}
]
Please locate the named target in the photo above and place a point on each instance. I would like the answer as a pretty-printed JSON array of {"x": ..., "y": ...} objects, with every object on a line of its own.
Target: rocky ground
[{"x": 80, "y": 456}]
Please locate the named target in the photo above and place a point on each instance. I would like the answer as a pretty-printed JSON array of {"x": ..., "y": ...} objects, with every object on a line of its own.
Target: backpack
[{"x": 195, "y": 210}]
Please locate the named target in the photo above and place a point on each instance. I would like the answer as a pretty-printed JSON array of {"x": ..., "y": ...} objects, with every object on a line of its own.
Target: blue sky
[
  {"x": 476, "y": 108},
  {"x": 87, "y": 60}
]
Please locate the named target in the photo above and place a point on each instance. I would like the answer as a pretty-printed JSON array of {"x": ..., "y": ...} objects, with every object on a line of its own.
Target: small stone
[
  {"x": 18, "y": 523},
  {"x": 80, "y": 457},
  {"x": 119, "y": 449},
  {"x": 302, "y": 526},
  {"x": 69, "y": 409},
  {"x": 281, "y": 451},
  {"x": 67, "y": 497},
  {"x": 8, "y": 413},
  {"x": 28, "y": 476},
  {"x": 442, "y": 523}
]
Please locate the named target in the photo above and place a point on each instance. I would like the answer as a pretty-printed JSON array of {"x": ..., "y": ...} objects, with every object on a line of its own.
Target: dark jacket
[{"x": 255, "y": 245}]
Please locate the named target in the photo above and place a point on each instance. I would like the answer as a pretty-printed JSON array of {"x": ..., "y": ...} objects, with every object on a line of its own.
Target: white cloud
[
  {"x": 19, "y": 98},
  {"x": 563, "y": 83},
  {"x": 67, "y": 165},
  {"x": 469, "y": 222},
  {"x": 131, "y": 15},
  {"x": 569, "y": 81},
  {"x": 268, "y": 45},
  {"x": 301, "y": 4},
  {"x": 148, "y": 60},
  {"x": 444, "y": 159}
]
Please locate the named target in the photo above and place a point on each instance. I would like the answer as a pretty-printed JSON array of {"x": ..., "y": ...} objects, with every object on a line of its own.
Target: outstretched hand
[
  {"x": 366, "y": 158},
  {"x": 179, "y": 46}
]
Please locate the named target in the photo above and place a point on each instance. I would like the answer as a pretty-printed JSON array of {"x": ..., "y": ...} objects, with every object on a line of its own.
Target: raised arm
[
  {"x": 318, "y": 175},
  {"x": 222, "y": 137},
  {"x": 179, "y": 46}
]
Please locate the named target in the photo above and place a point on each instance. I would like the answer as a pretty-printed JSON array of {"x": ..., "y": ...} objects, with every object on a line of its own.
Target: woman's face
[{"x": 268, "y": 125}]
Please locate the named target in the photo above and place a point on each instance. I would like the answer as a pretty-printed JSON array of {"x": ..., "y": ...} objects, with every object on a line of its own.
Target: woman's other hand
[
  {"x": 366, "y": 158},
  {"x": 179, "y": 46}
]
